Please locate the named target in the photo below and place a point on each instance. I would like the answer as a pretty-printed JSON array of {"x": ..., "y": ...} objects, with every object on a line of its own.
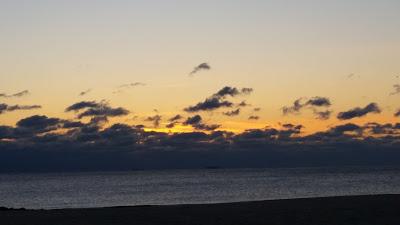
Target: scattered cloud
[
  {"x": 16, "y": 95},
  {"x": 197, "y": 123},
  {"x": 323, "y": 115},
  {"x": 359, "y": 112},
  {"x": 10, "y": 108},
  {"x": 232, "y": 113},
  {"x": 397, "y": 114},
  {"x": 243, "y": 104},
  {"x": 96, "y": 109},
  {"x": 201, "y": 67},
  {"x": 83, "y": 93},
  {"x": 122, "y": 87},
  {"x": 396, "y": 89},
  {"x": 217, "y": 100},
  {"x": 254, "y": 117},
  {"x": 175, "y": 118},
  {"x": 314, "y": 104},
  {"x": 155, "y": 119}
]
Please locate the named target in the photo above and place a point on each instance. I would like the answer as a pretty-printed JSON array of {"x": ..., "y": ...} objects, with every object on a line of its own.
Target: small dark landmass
[{"x": 350, "y": 210}]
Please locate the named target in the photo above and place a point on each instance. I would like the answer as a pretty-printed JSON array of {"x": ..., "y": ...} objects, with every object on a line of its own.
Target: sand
[{"x": 351, "y": 210}]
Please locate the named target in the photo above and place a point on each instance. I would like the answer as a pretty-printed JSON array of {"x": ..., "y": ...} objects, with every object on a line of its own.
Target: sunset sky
[{"x": 346, "y": 51}]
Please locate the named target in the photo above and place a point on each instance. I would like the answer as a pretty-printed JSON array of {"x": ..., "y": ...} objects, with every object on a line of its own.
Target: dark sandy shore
[{"x": 352, "y": 210}]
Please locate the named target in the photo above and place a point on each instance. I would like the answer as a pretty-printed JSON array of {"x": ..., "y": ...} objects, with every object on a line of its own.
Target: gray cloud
[
  {"x": 155, "y": 119},
  {"x": 359, "y": 112},
  {"x": 122, "y": 87},
  {"x": 232, "y": 113},
  {"x": 396, "y": 89},
  {"x": 201, "y": 67},
  {"x": 197, "y": 123},
  {"x": 313, "y": 103},
  {"x": 254, "y": 117},
  {"x": 83, "y": 93},
  {"x": 397, "y": 114},
  {"x": 95, "y": 109},
  {"x": 16, "y": 95},
  {"x": 175, "y": 118},
  {"x": 10, "y": 108},
  {"x": 323, "y": 115},
  {"x": 217, "y": 100}
]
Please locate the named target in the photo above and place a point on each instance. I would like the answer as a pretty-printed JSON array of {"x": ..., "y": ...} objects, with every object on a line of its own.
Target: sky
[{"x": 138, "y": 57}]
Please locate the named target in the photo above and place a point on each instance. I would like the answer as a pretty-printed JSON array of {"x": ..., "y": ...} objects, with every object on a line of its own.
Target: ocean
[{"x": 104, "y": 189}]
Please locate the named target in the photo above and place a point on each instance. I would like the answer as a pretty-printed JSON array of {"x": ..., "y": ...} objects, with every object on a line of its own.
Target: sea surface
[{"x": 102, "y": 189}]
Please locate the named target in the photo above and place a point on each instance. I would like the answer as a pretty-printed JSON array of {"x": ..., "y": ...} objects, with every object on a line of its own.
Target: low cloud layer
[
  {"x": 359, "y": 112},
  {"x": 93, "y": 146}
]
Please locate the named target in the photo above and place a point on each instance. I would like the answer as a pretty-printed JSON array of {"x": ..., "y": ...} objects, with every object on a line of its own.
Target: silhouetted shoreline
[{"x": 351, "y": 210}]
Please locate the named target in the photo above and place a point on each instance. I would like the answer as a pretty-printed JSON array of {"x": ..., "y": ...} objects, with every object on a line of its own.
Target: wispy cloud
[
  {"x": 16, "y": 95},
  {"x": 396, "y": 89},
  {"x": 83, "y": 93}
]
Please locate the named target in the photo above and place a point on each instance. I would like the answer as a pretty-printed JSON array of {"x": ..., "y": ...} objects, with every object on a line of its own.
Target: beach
[{"x": 351, "y": 210}]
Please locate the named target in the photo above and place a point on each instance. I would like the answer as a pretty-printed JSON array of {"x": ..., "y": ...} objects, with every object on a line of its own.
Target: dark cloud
[
  {"x": 298, "y": 104},
  {"x": 171, "y": 125},
  {"x": 254, "y": 117},
  {"x": 175, "y": 118},
  {"x": 41, "y": 143},
  {"x": 323, "y": 115},
  {"x": 83, "y": 93},
  {"x": 397, "y": 113},
  {"x": 232, "y": 113},
  {"x": 318, "y": 101},
  {"x": 193, "y": 120},
  {"x": 155, "y": 119},
  {"x": 396, "y": 89},
  {"x": 203, "y": 66},
  {"x": 359, "y": 112},
  {"x": 10, "y": 108},
  {"x": 257, "y": 109},
  {"x": 197, "y": 123},
  {"x": 39, "y": 123},
  {"x": 313, "y": 103},
  {"x": 82, "y": 105},
  {"x": 95, "y": 109},
  {"x": 208, "y": 105},
  {"x": 217, "y": 100},
  {"x": 16, "y": 95},
  {"x": 295, "y": 108}
]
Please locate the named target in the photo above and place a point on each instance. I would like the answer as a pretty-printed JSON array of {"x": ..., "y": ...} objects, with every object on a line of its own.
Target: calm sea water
[{"x": 100, "y": 189}]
